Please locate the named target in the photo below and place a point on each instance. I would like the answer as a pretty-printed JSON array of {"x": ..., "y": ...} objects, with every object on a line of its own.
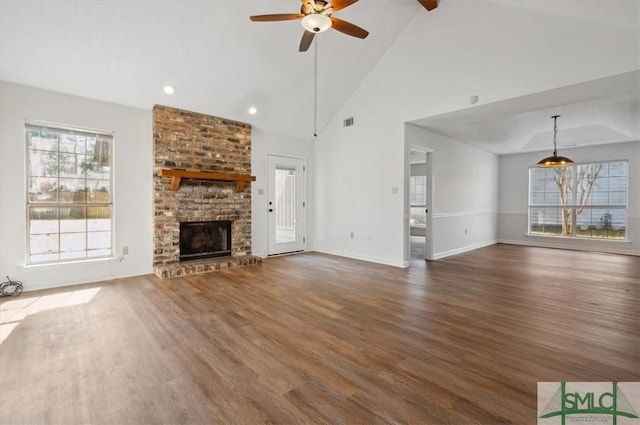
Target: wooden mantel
[{"x": 176, "y": 175}]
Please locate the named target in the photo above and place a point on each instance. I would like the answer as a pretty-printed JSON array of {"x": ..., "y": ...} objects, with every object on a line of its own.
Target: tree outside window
[{"x": 583, "y": 200}]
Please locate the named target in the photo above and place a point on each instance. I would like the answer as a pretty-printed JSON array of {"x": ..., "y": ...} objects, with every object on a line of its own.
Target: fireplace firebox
[{"x": 205, "y": 239}]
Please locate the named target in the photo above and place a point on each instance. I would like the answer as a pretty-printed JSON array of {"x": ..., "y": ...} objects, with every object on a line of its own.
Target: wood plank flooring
[{"x": 317, "y": 339}]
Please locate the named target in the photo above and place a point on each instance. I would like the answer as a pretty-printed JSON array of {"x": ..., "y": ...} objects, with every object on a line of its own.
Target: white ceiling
[
  {"x": 221, "y": 63},
  {"x": 594, "y": 113}
]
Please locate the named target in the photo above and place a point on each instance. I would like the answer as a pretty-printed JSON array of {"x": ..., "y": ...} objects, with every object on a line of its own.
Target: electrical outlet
[
  {"x": 465, "y": 231},
  {"x": 125, "y": 250},
  {"x": 352, "y": 235}
]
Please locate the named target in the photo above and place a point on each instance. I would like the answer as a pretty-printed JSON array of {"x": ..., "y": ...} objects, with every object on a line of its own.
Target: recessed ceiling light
[
  {"x": 169, "y": 89},
  {"x": 253, "y": 110}
]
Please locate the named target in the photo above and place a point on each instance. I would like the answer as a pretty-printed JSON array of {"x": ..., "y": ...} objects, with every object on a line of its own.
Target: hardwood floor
[
  {"x": 417, "y": 250},
  {"x": 316, "y": 339}
]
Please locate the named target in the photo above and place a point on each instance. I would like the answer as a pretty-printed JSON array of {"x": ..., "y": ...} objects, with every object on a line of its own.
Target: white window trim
[
  {"x": 27, "y": 204},
  {"x": 573, "y": 206}
]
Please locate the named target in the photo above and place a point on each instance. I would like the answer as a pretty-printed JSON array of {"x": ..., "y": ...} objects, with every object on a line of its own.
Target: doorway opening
[{"x": 419, "y": 237}]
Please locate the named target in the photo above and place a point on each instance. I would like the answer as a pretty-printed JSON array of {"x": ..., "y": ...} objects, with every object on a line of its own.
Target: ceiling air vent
[{"x": 348, "y": 122}]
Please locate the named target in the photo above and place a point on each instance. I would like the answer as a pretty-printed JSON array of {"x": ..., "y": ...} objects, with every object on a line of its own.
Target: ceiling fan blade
[
  {"x": 277, "y": 17},
  {"x": 348, "y": 28},
  {"x": 307, "y": 38},
  {"x": 429, "y": 4},
  {"x": 341, "y": 4}
]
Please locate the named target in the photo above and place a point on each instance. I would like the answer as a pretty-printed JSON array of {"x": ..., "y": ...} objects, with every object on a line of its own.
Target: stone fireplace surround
[{"x": 191, "y": 141}]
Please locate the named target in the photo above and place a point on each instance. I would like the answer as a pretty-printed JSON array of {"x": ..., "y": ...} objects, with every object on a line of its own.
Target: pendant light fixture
[{"x": 554, "y": 160}]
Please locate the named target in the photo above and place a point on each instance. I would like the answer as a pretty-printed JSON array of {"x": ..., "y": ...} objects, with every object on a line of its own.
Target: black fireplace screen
[{"x": 205, "y": 239}]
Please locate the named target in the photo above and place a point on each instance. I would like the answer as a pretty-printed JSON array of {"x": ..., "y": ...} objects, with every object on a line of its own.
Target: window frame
[
  {"x": 101, "y": 136},
  {"x": 573, "y": 206}
]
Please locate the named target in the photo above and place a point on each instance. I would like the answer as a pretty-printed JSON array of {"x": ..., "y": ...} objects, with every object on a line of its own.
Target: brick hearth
[
  {"x": 206, "y": 266},
  {"x": 196, "y": 142}
]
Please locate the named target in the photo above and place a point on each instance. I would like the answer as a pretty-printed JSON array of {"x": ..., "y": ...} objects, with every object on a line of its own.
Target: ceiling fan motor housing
[
  {"x": 317, "y": 15},
  {"x": 318, "y": 6}
]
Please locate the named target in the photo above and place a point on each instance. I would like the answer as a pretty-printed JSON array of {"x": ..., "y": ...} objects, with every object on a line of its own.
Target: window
[
  {"x": 583, "y": 200},
  {"x": 418, "y": 190},
  {"x": 69, "y": 203},
  {"x": 418, "y": 200}
]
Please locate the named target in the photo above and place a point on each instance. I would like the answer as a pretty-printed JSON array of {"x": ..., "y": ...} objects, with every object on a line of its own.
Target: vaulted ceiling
[{"x": 221, "y": 63}]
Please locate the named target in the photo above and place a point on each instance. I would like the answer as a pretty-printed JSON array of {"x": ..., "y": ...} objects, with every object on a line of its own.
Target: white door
[{"x": 286, "y": 204}]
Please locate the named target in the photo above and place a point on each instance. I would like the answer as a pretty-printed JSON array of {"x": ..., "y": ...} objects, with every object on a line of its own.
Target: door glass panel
[{"x": 285, "y": 208}]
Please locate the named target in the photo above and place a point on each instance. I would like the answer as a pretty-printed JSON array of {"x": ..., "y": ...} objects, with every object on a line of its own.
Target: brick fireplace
[{"x": 190, "y": 141}]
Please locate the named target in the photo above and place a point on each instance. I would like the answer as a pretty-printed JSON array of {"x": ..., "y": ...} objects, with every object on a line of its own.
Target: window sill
[
  {"x": 69, "y": 263},
  {"x": 576, "y": 238}
]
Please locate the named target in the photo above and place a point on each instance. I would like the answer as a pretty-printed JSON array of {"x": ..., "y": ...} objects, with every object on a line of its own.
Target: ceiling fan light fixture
[
  {"x": 316, "y": 22},
  {"x": 554, "y": 160}
]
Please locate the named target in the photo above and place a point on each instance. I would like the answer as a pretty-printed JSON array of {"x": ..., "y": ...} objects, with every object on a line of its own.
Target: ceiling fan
[{"x": 316, "y": 16}]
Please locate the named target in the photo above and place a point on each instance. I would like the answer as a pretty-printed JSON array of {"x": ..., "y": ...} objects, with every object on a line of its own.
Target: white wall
[
  {"x": 434, "y": 66},
  {"x": 132, "y": 191},
  {"x": 263, "y": 144},
  {"x": 464, "y": 204},
  {"x": 514, "y": 198}
]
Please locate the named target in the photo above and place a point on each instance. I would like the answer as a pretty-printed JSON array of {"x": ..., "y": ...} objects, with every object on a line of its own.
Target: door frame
[
  {"x": 303, "y": 202},
  {"x": 428, "y": 243}
]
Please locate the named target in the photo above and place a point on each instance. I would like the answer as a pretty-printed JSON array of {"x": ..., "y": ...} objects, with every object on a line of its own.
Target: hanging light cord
[
  {"x": 315, "y": 88},
  {"x": 555, "y": 132}
]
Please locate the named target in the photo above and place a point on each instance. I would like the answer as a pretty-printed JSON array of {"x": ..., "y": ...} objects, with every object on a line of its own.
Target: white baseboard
[
  {"x": 546, "y": 244},
  {"x": 377, "y": 260},
  {"x": 467, "y": 248}
]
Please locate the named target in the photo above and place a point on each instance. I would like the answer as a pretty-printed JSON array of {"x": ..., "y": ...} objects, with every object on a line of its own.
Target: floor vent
[{"x": 348, "y": 122}]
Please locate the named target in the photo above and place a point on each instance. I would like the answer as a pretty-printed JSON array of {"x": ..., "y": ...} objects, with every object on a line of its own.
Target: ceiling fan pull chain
[{"x": 315, "y": 88}]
